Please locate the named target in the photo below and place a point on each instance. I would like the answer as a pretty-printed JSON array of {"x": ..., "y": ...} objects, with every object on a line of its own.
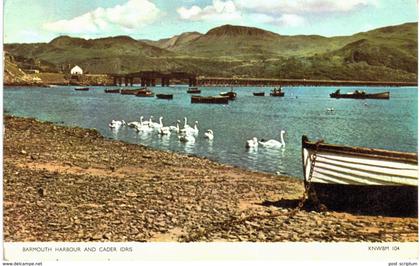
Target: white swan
[
  {"x": 209, "y": 134},
  {"x": 185, "y": 123},
  {"x": 190, "y": 131},
  {"x": 116, "y": 124},
  {"x": 330, "y": 109},
  {"x": 252, "y": 143},
  {"x": 145, "y": 122},
  {"x": 164, "y": 131},
  {"x": 175, "y": 129},
  {"x": 157, "y": 126},
  {"x": 135, "y": 123},
  {"x": 272, "y": 143}
]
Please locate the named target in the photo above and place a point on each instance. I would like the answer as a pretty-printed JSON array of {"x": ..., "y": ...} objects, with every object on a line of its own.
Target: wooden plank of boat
[
  {"x": 210, "y": 99},
  {"x": 193, "y": 90},
  {"x": 165, "y": 96},
  {"x": 345, "y": 176},
  {"x": 230, "y": 94},
  {"x": 112, "y": 90},
  {"x": 81, "y": 89},
  {"x": 259, "y": 93},
  {"x": 361, "y": 95}
]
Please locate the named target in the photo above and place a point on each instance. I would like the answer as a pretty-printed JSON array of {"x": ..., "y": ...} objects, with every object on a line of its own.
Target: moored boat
[
  {"x": 193, "y": 90},
  {"x": 360, "y": 95},
  {"x": 360, "y": 179},
  {"x": 230, "y": 94},
  {"x": 165, "y": 96},
  {"x": 259, "y": 93},
  {"x": 145, "y": 93},
  {"x": 81, "y": 89},
  {"x": 131, "y": 91},
  {"x": 112, "y": 90},
  {"x": 277, "y": 93},
  {"x": 210, "y": 99}
]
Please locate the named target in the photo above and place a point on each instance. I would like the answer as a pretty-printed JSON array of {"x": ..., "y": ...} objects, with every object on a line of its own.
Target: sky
[{"x": 28, "y": 21}]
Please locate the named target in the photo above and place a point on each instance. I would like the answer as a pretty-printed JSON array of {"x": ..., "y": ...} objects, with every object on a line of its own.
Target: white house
[{"x": 76, "y": 70}]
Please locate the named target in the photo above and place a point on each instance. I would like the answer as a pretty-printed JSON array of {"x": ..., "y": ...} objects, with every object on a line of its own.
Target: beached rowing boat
[
  {"x": 345, "y": 177},
  {"x": 210, "y": 99},
  {"x": 360, "y": 95}
]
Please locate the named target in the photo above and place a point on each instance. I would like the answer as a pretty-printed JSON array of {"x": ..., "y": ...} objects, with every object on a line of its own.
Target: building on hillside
[{"x": 76, "y": 70}]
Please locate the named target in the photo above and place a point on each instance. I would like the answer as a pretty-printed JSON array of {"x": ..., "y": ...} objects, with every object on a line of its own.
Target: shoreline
[{"x": 71, "y": 184}]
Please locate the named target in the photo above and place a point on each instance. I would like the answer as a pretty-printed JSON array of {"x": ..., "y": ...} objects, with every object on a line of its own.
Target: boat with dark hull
[
  {"x": 360, "y": 95},
  {"x": 277, "y": 93},
  {"x": 112, "y": 90},
  {"x": 259, "y": 93},
  {"x": 165, "y": 96},
  {"x": 81, "y": 89},
  {"x": 145, "y": 93},
  {"x": 131, "y": 91},
  {"x": 210, "y": 99},
  {"x": 231, "y": 94},
  {"x": 193, "y": 90},
  {"x": 360, "y": 179}
]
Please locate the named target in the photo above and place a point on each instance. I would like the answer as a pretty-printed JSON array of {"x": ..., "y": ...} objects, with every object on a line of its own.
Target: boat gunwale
[{"x": 406, "y": 157}]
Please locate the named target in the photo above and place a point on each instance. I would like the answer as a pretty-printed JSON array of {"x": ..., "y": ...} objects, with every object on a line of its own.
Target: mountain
[
  {"x": 388, "y": 53},
  {"x": 174, "y": 41}
]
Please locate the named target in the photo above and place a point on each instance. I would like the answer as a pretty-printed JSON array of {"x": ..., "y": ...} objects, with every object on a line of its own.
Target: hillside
[{"x": 388, "y": 53}]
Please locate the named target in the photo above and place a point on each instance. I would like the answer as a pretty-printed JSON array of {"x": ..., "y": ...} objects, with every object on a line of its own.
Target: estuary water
[{"x": 388, "y": 124}]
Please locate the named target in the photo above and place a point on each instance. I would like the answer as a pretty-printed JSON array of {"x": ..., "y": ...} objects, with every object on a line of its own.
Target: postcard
[{"x": 210, "y": 130}]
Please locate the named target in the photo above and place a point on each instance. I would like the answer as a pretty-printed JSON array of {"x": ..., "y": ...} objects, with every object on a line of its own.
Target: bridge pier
[
  {"x": 153, "y": 81},
  {"x": 142, "y": 81},
  {"x": 192, "y": 82}
]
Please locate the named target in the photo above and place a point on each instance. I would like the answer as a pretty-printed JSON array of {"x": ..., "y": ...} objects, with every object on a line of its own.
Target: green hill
[{"x": 388, "y": 53}]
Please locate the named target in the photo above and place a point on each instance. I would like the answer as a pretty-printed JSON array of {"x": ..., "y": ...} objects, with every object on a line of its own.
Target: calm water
[{"x": 389, "y": 124}]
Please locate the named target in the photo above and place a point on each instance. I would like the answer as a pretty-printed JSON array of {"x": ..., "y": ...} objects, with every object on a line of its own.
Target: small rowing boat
[
  {"x": 165, "y": 96},
  {"x": 360, "y": 95},
  {"x": 277, "y": 93},
  {"x": 210, "y": 99},
  {"x": 81, "y": 89},
  {"x": 193, "y": 90},
  {"x": 346, "y": 177},
  {"x": 259, "y": 93}
]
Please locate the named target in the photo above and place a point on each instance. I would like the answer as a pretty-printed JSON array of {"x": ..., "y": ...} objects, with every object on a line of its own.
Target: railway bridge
[{"x": 150, "y": 78}]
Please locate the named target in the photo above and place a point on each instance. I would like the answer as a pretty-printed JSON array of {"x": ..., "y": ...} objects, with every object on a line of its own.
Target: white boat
[{"x": 357, "y": 177}]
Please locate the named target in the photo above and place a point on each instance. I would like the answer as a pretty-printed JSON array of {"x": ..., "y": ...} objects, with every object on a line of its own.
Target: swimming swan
[
  {"x": 272, "y": 143},
  {"x": 209, "y": 134},
  {"x": 252, "y": 143}
]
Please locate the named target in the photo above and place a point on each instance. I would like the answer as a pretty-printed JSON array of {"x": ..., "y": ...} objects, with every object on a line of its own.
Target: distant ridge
[{"x": 383, "y": 54}]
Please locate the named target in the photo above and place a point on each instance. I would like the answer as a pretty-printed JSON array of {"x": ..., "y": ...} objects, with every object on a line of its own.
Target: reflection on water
[{"x": 388, "y": 124}]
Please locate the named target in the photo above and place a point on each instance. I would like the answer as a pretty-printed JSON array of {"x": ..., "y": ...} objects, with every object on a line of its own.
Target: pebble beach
[{"x": 72, "y": 184}]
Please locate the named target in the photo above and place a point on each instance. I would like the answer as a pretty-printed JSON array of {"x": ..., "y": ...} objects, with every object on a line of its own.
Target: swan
[
  {"x": 274, "y": 144},
  {"x": 252, "y": 143},
  {"x": 186, "y": 138},
  {"x": 116, "y": 124},
  {"x": 143, "y": 129},
  {"x": 173, "y": 128},
  {"x": 190, "y": 131},
  {"x": 157, "y": 126},
  {"x": 145, "y": 122},
  {"x": 135, "y": 123},
  {"x": 209, "y": 134},
  {"x": 164, "y": 131},
  {"x": 185, "y": 123},
  {"x": 330, "y": 109}
]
